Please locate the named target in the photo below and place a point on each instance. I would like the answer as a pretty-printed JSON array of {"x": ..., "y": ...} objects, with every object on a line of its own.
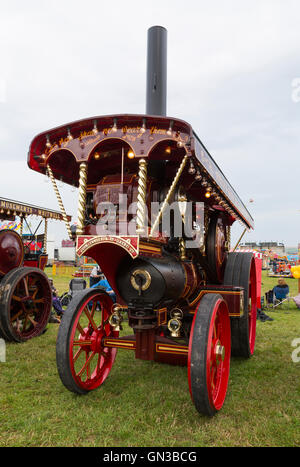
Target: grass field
[{"x": 148, "y": 404}]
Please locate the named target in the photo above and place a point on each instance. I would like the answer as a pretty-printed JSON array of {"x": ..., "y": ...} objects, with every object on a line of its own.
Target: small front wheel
[
  {"x": 209, "y": 354},
  {"x": 83, "y": 362}
]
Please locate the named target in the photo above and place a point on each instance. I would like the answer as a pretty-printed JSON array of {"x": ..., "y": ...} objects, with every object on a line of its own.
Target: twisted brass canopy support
[
  {"x": 228, "y": 235},
  {"x": 61, "y": 206},
  {"x": 81, "y": 197},
  {"x": 182, "y": 250},
  {"x": 21, "y": 225},
  {"x": 141, "y": 197},
  {"x": 238, "y": 242},
  {"x": 169, "y": 194},
  {"x": 45, "y": 235}
]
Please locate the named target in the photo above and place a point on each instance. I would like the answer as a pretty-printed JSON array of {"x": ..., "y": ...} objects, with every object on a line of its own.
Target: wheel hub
[
  {"x": 91, "y": 342},
  {"x": 220, "y": 352}
]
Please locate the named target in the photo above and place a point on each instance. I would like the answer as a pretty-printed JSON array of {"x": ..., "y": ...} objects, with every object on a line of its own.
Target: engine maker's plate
[{"x": 130, "y": 243}]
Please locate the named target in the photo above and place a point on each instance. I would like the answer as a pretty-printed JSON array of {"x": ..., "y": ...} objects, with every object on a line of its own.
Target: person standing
[{"x": 95, "y": 275}]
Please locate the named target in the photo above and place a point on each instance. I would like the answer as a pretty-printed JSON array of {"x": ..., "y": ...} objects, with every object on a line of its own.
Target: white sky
[{"x": 232, "y": 74}]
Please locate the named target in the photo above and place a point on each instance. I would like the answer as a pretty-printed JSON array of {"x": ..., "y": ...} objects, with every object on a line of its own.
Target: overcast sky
[{"x": 233, "y": 74}]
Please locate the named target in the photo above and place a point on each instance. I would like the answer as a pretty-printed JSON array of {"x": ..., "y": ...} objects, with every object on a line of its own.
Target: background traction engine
[{"x": 25, "y": 292}]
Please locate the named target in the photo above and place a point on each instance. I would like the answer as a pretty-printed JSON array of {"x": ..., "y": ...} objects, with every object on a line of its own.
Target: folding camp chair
[
  {"x": 76, "y": 285},
  {"x": 297, "y": 300},
  {"x": 269, "y": 298},
  {"x": 281, "y": 295}
]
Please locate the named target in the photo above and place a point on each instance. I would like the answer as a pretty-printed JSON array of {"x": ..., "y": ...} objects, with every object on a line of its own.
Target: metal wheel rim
[
  {"x": 252, "y": 307},
  {"x": 90, "y": 361},
  {"x": 29, "y": 305},
  {"x": 209, "y": 370},
  {"x": 217, "y": 370}
]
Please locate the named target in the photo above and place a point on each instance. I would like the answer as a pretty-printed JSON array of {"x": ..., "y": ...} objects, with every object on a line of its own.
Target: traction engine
[
  {"x": 25, "y": 291},
  {"x": 155, "y": 212}
]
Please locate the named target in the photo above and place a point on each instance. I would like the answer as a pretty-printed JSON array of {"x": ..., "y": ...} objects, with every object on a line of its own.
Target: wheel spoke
[
  {"x": 216, "y": 330},
  {"x": 25, "y": 282},
  {"x": 78, "y": 353},
  {"x": 38, "y": 300},
  {"x": 92, "y": 311},
  {"x": 88, "y": 360},
  {"x": 17, "y": 298},
  {"x": 219, "y": 333},
  {"x": 86, "y": 311},
  {"x": 212, "y": 378},
  {"x": 25, "y": 323},
  {"x": 80, "y": 329},
  {"x": 16, "y": 316},
  {"x": 32, "y": 321},
  {"x": 19, "y": 322},
  {"x": 34, "y": 290}
]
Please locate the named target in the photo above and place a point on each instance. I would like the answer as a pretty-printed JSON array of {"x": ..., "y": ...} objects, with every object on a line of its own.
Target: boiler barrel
[
  {"x": 11, "y": 251},
  {"x": 151, "y": 281}
]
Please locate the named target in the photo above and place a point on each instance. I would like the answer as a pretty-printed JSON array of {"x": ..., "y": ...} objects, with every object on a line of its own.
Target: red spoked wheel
[
  {"x": 25, "y": 304},
  {"x": 209, "y": 354},
  {"x": 83, "y": 362},
  {"x": 241, "y": 271}
]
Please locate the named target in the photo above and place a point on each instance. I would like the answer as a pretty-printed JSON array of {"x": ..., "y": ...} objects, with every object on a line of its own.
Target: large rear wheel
[
  {"x": 83, "y": 362},
  {"x": 216, "y": 249},
  {"x": 209, "y": 354},
  {"x": 241, "y": 271},
  {"x": 25, "y": 304}
]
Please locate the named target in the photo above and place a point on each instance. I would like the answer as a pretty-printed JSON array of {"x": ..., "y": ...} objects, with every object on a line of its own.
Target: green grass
[{"x": 148, "y": 404}]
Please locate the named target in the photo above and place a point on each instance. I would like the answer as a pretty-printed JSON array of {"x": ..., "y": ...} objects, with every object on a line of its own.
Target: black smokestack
[{"x": 156, "y": 86}]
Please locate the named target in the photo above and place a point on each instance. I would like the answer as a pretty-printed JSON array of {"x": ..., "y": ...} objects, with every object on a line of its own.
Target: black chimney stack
[{"x": 156, "y": 86}]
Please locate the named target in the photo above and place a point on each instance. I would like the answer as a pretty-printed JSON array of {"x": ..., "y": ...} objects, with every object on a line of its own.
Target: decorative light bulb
[
  {"x": 198, "y": 175},
  {"x": 130, "y": 154},
  {"x": 48, "y": 144},
  {"x": 95, "y": 129},
  {"x": 70, "y": 137},
  {"x": 169, "y": 132},
  {"x": 192, "y": 169},
  {"x": 143, "y": 129}
]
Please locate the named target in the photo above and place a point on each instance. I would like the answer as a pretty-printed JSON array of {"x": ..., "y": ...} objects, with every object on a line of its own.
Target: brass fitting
[{"x": 175, "y": 323}]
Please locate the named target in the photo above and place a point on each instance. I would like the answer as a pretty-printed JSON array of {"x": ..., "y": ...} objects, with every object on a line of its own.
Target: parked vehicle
[
  {"x": 188, "y": 299},
  {"x": 25, "y": 292}
]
